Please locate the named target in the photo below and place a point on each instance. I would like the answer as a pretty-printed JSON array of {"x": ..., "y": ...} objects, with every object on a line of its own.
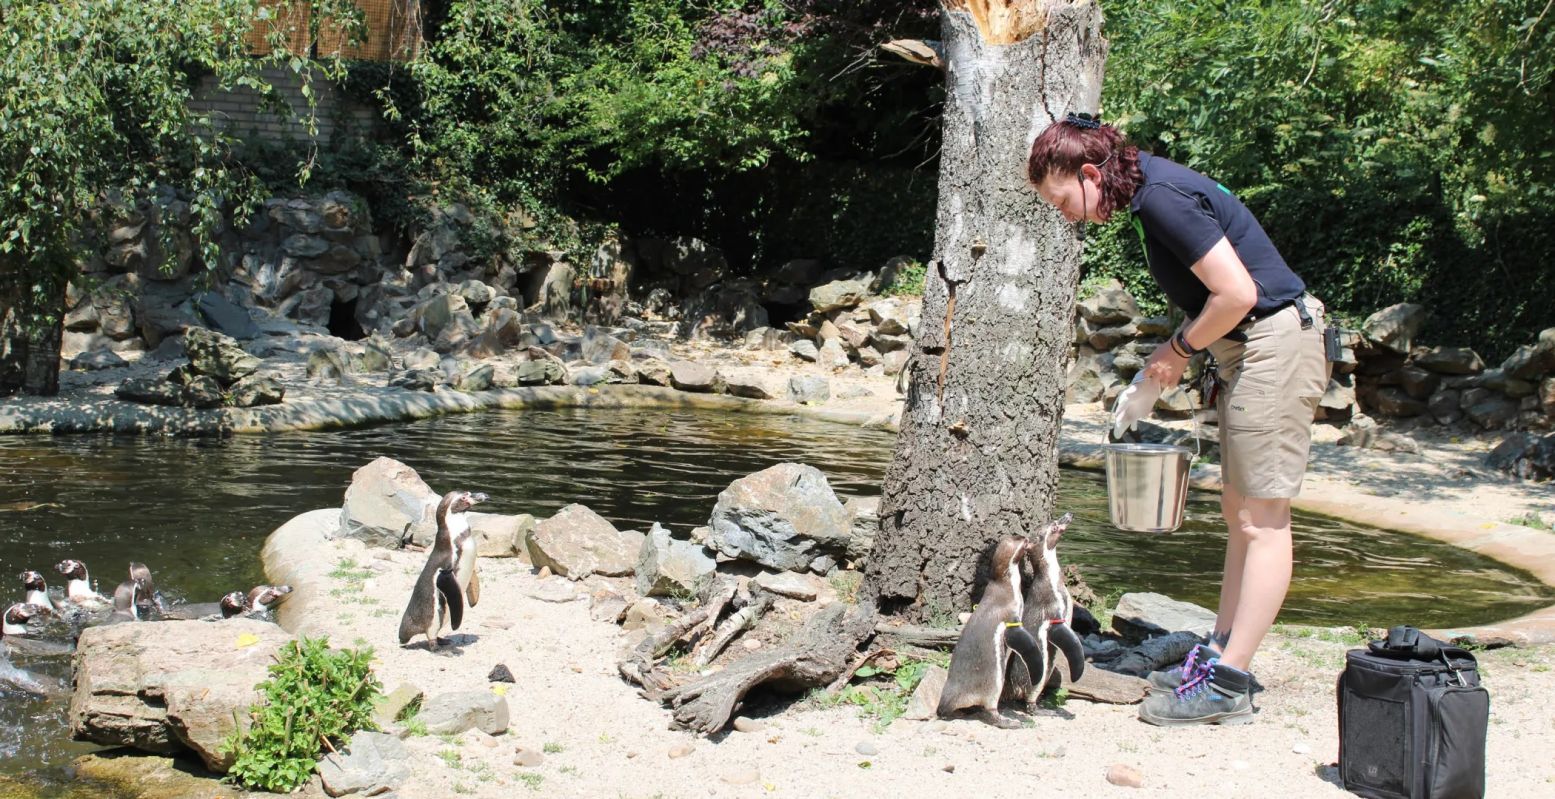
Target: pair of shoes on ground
[{"x": 1200, "y": 691}]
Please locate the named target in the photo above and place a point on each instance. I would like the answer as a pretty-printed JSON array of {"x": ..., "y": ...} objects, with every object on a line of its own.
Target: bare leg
[
  {"x": 1231, "y": 503},
  {"x": 1264, "y": 527}
]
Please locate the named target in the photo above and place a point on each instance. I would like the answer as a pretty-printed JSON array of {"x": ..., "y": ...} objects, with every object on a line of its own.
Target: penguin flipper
[
  {"x": 448, "y": 586},
  {"x": 1069, "y": 643},
  {"x": 474, "y": 591}
]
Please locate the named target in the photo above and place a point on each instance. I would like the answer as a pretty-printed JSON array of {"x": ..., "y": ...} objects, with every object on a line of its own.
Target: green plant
[
  {"x": 886, "y": 699},
  {"x": 909, "y": 281},
  {"x": 551, "y": 748},
  {"x": 1531, "y": 519},
  {"x": 451, "y": 757},
  {"x": 846, "y": 584},
  {"x": 530, "y": 780},
  {"x": 314, "y": 697}
]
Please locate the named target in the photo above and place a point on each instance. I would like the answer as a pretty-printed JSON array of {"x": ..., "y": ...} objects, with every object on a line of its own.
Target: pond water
[{"x": 198, "y": 510}]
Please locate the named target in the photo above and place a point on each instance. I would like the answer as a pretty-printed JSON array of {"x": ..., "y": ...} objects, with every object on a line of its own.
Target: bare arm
[{"x": 1232, "y": 294}]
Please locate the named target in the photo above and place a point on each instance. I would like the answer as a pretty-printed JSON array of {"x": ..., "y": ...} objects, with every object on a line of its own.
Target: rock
[
  {"x": 1419, "y": 383},
  {"x": 833, "y": 355},
  {"x": 500, "y": 673},
  {"x": 840, "y": 294},
  {"x": 1450, "y": 361},
  {"x": 782, "y": 517},
  {"x": 1106, "y": 338},
  {"x": 417, "y": 380},
  {"x": 577, "y": 542},
  {"x": 748, "y": 724},
  {"x": 743, "y": 775},
  {"x": 457, "y": 711},
  {"x": 1174, "y": 404},
  {"x": 391, "y": 706},
  {"x": 645, "y": 614},
  {"x": 667, "y": 566},
  {"x": 256, "y": 390},
  {"x": 502, "y": 331},
  {"x": 599, "y": 348},
  {"x": 769, "y": 338},
  {"x": 690, "y": 376},
  {"x": 1338, "y": 402},
  {"x": 751, "y": 385},
  {"x": 1373, "y": 438},
  {"x": 477, "y": 378},
  {"x": 541, "y": 373},
  {"x": 501, "y": 536},
  {"x": 553, "y": 589},
  {"x": 809, "y": 389},
  {"x": 1395, "y": 402},
  {"x": 804, "y": 349},
  {"x": 225, "y": 316},
  {"x": 1141, "y": 614},
  {"x": 1525, "y": 455},
  {"x": 218, "y": 355},
  {"x": 94, "y": 360},
  {"x": 436, "y": 314},
  {"x": 1394, "y": 328},
  {"x": 157, "y": 319},
  {"x": 680, "y": 750},
  {"x": 150, "y": 391},
  {"x": 1125, "y": 776},
  {"x": 1493, "y": 413},
  {"x": 866, "y": 748},
  {"x": 171, "y": 685},
  {"x": 925, "y": 698},
  {"x": 371, "y": 764},
  {"x": 527, "y": 758},
  {"x": 1157, "y": 326},
  {"x": 1498, "y": 380},
  {"x": 384, "y": 497},
  {"x": 790, "y": 584},
  {"x": 607, "y": 605},
  {"x": 1444, "y": 406},
  {"x": 1532, "y": 360},
  {"x": 1112, "y": 305},
  {"x": 894, "y": 362}
]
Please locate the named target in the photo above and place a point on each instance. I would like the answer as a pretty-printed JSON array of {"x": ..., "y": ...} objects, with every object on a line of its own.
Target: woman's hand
[{"x": 1165, "y": 366}]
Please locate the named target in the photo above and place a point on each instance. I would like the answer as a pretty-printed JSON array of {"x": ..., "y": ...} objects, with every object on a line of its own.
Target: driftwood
[
  {"x": 887, "y": 655},
  {"x": 738, "y": 622},
  {"x": 642, "y": 667},
  {"x": 1100, "y": 685},
  {"x": 914, "y": 635},
  {"x": 814, "y": 657}
]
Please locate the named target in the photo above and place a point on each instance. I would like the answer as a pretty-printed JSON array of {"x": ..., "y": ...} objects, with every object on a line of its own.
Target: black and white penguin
[
  {"x": 78, "y": 586},
  {"x": 979, "y": 661},
  {"x": 267, "y": 597},
  {"x": 234, "y": 603},
  {"x": 138, "y": 571},
  {"x": 37, "y": 591},
  {"x": 1045, "y": 621},
  {"x": 131, "y": 599},
  {"x": 449, "y": 574},
  {"x": 16, "y": 632}
]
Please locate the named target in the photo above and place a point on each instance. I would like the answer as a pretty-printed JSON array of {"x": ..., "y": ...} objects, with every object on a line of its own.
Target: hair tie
[{"x": 1086, "y": 121}]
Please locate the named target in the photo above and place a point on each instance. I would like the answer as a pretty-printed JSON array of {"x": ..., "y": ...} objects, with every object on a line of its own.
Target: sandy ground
[{"x": 600, "y": 739}]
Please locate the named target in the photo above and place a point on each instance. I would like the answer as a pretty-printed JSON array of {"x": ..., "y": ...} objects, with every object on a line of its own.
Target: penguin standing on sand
[
  {"x": 449, "y": 574},
  {"x": 978, "y": 663},
  {"x": 1049, "y": 610}
]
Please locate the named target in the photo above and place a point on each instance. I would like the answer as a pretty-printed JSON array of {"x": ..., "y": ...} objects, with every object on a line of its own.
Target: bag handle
[{"x": 1404, "y": 641}]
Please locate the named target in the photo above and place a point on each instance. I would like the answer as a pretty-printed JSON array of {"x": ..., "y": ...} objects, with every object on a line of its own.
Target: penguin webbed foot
[{"x": 994, "y": 718}]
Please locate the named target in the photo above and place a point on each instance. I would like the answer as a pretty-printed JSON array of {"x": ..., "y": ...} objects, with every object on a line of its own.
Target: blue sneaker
[{"x": 1216, "y": 694}]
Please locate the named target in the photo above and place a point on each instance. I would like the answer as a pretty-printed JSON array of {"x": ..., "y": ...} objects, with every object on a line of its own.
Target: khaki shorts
[{"x": 1270, "y": 387}]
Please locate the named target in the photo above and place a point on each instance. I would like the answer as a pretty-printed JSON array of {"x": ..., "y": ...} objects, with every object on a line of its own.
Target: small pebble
[
  {"x": 489, "y": 742},
  {"x": 950, "y": 768},
  {"x": 576, "y": 669},
  {"x": 747, "y": 724},
  {"x": 866, "y": 748},
  {"x": 752, "y": 643},
  {"x": 527, "y": 758},
  {"x": 631, "y": 753},
  {"x": 741, "y": 776},
  {"x": 1302, "y": 749},
  {"x": 680, "y": 750},
  {"x": 1125, "y": 776}
]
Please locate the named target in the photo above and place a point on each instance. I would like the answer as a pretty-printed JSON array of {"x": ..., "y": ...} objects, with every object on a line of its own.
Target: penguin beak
[{"x": 477, "y": 498}]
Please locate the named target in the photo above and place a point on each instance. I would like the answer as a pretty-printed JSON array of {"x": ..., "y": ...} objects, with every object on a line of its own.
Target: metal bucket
[{"x": 1147, "y": 486}]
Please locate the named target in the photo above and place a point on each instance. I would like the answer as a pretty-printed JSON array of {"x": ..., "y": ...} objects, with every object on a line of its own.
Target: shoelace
[
  {"x": 1197, "y": 682},
  {"x": 1190, "y": 663}
]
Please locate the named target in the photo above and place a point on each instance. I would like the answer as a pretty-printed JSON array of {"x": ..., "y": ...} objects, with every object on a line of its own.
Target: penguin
[
  {"x": 131, "y": 599},
  {"x": 1045, "y": 621},
  {"x": 234, "y": 603},
  {"x": 37, "y": 591},
  {"x": 979, "y": 661},
  {"x": 138, "y": 571},
  {"x": 267, "y": 597},
  {"x": 16, "y": 634},
  {"x": 448, "y": 573},
  {"x": 78, "y": 586}
]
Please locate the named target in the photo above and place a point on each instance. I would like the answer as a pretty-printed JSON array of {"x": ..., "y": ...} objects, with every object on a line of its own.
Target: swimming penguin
[
  {"x": 448, "y": 573},
  {"x": 234, "y": 603},
  {"x": 1045, "y": 620},
  {"x": 130, "y": 598},
  {"x": 138, "y": 571},
  {"x": 267, "y": 597},
  {"x": 37, "y": 591},
  {"x": 978, "y": 663},
  {"x": 16, "y": 633},
  {"x": 78, "y": 586}
]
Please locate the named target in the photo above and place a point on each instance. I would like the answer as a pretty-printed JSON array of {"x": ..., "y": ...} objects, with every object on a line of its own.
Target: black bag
[{"x": 1412, "y": 720}]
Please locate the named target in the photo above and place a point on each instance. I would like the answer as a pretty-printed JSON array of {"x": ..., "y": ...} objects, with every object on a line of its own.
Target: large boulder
[
  {"x": 457, "y": 711},
  {"x": 384, "y": 497},
  {"x": 373, "y": 763},
  {"x": 1113, "y": 305},
  {"x": 218, "y": 355},
  {"x": 783, "y": 517},
  {"x": 1450, "y": 361},
  {"x": 1394, "y": 328},
  {"x": 168, "y": 686},
  {"x": 1144, "y": 614},
  {"x": 226, "y": 316},
  {"x": 499, "y": 536},
  {"x": 840, "y": 294},
  {"x": 1532, "y": 360},
  {"x": 692, "y": 376},
  {"x": 577, "y": 542},
  {"x": 1525, "y": 455},
  {"x": 668, "y": 566}
]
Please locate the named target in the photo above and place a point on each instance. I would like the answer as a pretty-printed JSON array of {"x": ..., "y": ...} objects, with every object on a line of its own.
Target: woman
[{"x": 1245, "y": 305}]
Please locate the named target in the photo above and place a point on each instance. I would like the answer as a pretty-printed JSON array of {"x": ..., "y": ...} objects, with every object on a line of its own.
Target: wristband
[{"x": 1187, "y": 350}]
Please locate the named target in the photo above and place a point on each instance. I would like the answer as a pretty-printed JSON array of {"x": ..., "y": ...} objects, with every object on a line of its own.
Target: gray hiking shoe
[{"x": 1217, "y": 694}]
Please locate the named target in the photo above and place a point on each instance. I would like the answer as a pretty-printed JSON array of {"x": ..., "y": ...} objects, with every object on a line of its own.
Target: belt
[{"x": 1238, "y": 334}]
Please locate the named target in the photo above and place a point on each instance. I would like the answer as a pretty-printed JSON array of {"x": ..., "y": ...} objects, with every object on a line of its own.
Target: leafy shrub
[{"x": 315, "y": 697}]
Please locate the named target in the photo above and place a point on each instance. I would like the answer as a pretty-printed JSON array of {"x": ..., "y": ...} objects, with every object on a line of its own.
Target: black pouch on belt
[{"x": 1332, "y": 349}]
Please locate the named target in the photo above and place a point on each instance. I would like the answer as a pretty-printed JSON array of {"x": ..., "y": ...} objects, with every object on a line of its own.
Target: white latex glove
[{"x": 1133, "y": 404}]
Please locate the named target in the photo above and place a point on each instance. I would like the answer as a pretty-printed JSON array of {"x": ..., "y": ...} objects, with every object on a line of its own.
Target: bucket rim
[{"x": 1146, "y": 448}]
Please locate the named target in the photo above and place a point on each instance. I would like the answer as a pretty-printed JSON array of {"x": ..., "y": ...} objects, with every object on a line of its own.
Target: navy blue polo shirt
[{"x": 1184, "y": 214}]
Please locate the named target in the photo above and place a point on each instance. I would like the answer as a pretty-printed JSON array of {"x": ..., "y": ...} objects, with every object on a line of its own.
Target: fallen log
[
  {"x": 738, "y": 622},
  {"x": 813, "y": 657}
]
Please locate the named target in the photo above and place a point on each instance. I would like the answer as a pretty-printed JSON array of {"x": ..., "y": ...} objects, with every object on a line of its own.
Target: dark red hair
[{"x": 1065, "y": 146}]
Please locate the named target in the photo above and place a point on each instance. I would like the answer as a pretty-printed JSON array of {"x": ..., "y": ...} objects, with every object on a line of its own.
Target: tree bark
[{"x": 977, "y": 457}]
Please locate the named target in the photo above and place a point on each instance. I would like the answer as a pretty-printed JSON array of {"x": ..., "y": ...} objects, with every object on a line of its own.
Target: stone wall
[{"x": 239, "y": 112}]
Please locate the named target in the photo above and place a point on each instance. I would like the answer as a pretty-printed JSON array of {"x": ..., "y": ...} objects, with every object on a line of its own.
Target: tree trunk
[
  {"x": 977, "y": 455},
  {"x": 29, "y": 337}
]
